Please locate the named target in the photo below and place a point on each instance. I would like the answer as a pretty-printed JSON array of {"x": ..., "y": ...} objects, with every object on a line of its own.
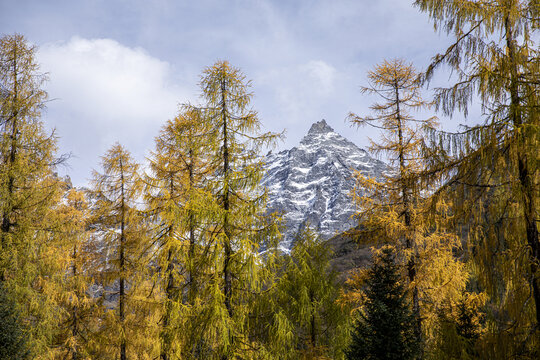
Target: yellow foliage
[{"x": 397, "y": 208}]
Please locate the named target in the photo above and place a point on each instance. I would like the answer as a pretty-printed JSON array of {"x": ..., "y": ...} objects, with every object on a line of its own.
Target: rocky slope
[{"x": 311, "y": 183}]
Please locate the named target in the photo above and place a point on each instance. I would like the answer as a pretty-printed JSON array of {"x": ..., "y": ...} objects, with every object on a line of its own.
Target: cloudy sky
[{"x": 119, "y": 68}]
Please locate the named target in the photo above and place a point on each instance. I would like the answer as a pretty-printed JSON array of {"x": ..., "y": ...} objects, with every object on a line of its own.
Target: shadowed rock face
[
  {"x": 348, "y": 254},
  {"x": 311, "y": 183}
]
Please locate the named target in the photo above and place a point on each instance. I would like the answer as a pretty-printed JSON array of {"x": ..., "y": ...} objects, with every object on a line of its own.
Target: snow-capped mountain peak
[{"x": 311, "y": 183}]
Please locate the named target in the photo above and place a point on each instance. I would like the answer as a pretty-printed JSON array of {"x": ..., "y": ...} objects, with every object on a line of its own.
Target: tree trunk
[
  {"x": 165, "y": 347},
  {"x": 526, "y": 183},
  {"x": 165, "y": 341},
  {"x": 409, "y": 242},
  {"x": 122, "y": 268},
  {"x": 191, "y": 251},
  {"x": 226, "y": 226},
  {"x": 75, "y": 325}
]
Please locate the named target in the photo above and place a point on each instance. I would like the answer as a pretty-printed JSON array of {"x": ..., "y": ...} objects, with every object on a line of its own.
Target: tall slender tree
[
  {"x": 493, "y": 166},
  {"x": 181, "y": 203},
  {"x": 235, "y": 139},
  {"x": 395, "y": 210},
  {"x": 29, "y": 190},
  {"x": 117, "y": 219}
]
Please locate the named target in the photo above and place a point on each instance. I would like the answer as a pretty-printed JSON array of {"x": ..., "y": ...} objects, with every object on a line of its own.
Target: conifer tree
[
  {"x": 385, "y": 327},
  {"x": 181, "y": 204},
  {"x": 118, "y": 222},
  {"x": 395, "y": 209},
  {"x": 79, "y": 320},
  {"x": 303, "y": 304},
  {"x": 29, "y": 191},
  {"x": 493, "y": 167},
  {"x": 235, "y": 144}
]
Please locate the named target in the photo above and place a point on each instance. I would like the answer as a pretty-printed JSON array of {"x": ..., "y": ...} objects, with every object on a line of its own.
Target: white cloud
[
  {"x": 323, "y": 74},
  {"x": 106, "y": 92},
  {"x": 300, "y": 90}
]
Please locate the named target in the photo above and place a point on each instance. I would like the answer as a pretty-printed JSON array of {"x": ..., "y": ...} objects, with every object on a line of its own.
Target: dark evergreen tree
[
  {"x": 13, "y": 343},
  {"x": 385, "y": 327}
]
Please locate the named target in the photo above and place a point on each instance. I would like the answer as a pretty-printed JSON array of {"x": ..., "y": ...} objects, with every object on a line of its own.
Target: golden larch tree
[
  {"x": 182, "y": 205},
  {"x": 236, "y": 142},
  {"x": 118, "y": 222},
  {"x": 79, "y": 318},
  {"x": 493, "y": 167},
  {"x": 396, "y": 209},
  {"x": 29, "y": 191}
]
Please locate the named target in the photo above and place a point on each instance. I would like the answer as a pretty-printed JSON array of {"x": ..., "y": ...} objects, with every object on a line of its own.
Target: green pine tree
[{"x": 385, "y": 326}]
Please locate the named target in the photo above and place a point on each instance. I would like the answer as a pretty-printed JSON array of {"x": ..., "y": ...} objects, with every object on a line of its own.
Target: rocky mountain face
[{"x": 311, "y": 183}]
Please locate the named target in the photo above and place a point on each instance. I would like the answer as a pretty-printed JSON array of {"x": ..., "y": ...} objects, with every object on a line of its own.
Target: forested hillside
[{"x": 179, "y": 257}]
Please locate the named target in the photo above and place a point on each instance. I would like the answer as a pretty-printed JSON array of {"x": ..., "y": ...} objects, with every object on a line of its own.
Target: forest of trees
[{"x": 179, "y": 259}]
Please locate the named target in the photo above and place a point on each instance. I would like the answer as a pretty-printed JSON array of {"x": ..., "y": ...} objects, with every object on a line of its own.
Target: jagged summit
[
  {"x": 320, "y": 127},
  {"x": 311, "y": 183}
]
